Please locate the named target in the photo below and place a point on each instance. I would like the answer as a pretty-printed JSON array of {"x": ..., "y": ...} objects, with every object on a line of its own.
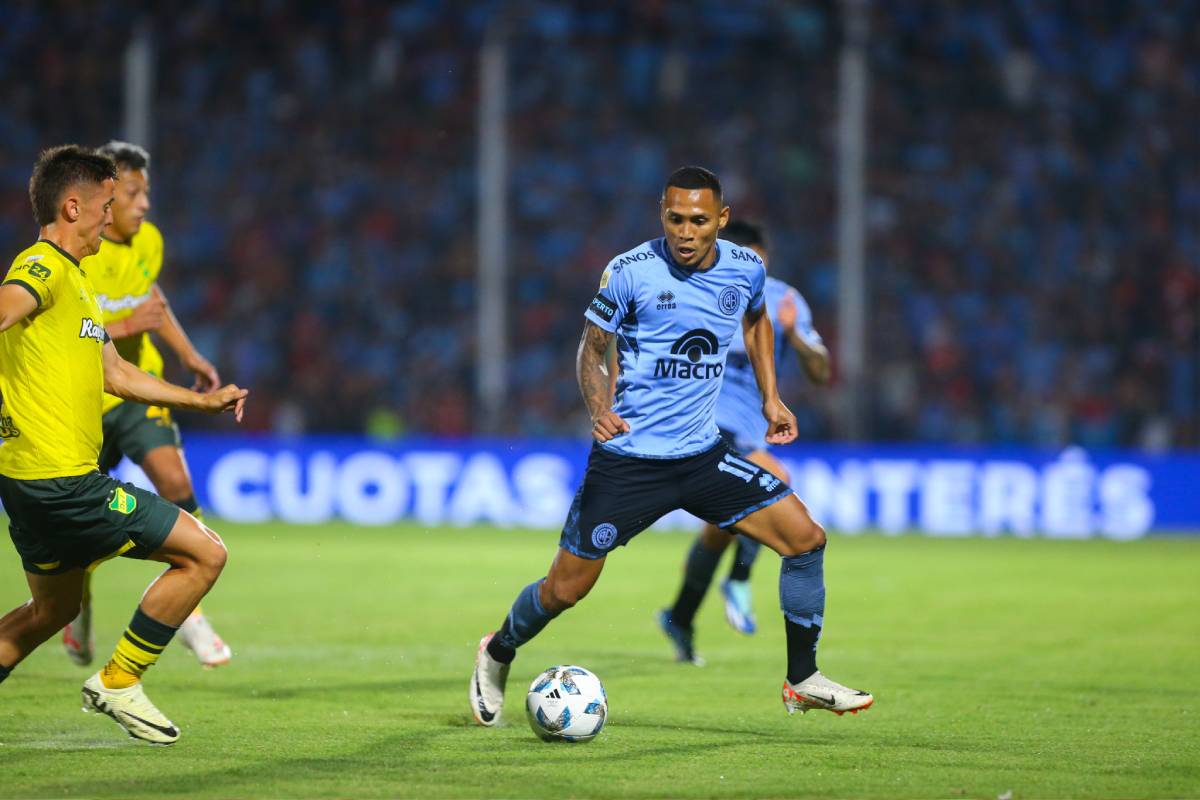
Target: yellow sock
[{"x": 139, "y": 647}]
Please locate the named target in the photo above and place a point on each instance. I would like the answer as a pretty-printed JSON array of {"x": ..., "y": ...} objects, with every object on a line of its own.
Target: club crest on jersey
[
  {"x": 729, "y": 301},
  {"x": 666, "y": 300},
  {"x": 603, "y": 535},
  {"x": 122, "y": 502},
  {"x": 90, "y": 329},
  {"x": 693, "y": 346}
]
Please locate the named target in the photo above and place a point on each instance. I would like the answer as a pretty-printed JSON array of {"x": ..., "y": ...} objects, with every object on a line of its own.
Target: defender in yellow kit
[
  {"x": 56, "y": 362},
  {"x": 124, "y": 274}
]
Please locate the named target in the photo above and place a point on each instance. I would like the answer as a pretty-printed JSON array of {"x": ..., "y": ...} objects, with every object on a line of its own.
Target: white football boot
[
  {"x": 197, "y": 635},
  {"x": 131, "y": 709},
  {"x": 77, "y": 637},
  {"x": 818, "y": 692},
  {"x": 487, "y": 686}
]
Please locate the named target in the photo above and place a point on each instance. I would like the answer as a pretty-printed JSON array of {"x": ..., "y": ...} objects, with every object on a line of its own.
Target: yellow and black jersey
[
  {"x": 52, "y": 371},
  {"x": 123, "y": 275}
]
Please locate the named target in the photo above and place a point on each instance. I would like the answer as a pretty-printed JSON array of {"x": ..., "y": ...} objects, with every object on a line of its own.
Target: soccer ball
[{"x": 566, "y": 704}]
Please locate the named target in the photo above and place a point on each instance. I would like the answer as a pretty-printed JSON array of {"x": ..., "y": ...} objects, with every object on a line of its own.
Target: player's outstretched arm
[
  {"x": 16, "y": 303},
  {"x": 172, "y": 333},
  {"x": 814, "y": 359},
  {"x": 813, "y": 355},
  {"x": 595, "y": 384},
  {"x": 760, "y": 349},
  {"x": 127, "y": 381}
]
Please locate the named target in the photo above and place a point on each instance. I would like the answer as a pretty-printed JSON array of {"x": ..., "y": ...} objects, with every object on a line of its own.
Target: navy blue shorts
[{"x": 621, "y": 496}]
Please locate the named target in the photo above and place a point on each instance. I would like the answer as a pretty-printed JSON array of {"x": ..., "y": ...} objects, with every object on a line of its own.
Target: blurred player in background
[
  {"x": 56, "y": 363},
  {"x": 740, "y": 419},
  {"x": 674, "y": 305},
  {"x": 125, "y": 276}
]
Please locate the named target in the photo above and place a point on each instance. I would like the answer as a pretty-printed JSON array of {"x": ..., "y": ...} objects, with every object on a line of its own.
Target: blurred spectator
[{"x": 1034, "y": 195}]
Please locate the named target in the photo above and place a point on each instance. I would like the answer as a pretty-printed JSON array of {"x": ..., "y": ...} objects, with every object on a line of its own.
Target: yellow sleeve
[
  {"x": 39, "y": 276},
  {"x": 150, "y": 246}
]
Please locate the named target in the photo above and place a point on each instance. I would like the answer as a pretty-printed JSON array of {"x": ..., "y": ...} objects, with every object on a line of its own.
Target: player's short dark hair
[
  {"x": 58, "y": 169},
  {"x": 126, "y": 154},
  {"x": 694, "y": 178},
  {"x": 745, "y": 233}
]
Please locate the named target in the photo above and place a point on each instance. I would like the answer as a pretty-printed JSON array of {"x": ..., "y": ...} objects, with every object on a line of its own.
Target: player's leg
[
  {"x": 619, "y": 498},
  {"x": 699, "y": 568},
  {"x": 701, "y": 565},
  {"x": 54, "y": 601},
  {"x": 195, "y": 556},
  {"x": 77, "y": 638},
  {"x": 788, "y": 529},
  {"x": 739, "y": 607},
  {"x": 568, "y": 581},
  {"x": 735, "y": 589},
  {"x": 166, "y": 468}
]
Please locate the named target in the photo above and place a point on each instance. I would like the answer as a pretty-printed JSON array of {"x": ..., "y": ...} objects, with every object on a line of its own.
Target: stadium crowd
[{"x": 1033, "y": 185}]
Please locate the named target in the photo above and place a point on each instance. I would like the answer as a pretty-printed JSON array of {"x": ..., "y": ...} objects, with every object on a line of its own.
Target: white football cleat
[
  {"x": 131, "y": 709},
  {"x": 817, "y": 691},
  {"x": 77, "y": 637},
  {"x": 487, "y": 686},
  {"x": 197, "y": 635}
]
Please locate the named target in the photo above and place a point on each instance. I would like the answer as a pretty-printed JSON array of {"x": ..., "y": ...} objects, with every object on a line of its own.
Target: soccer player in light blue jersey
[
  {"x": 741, "y": 423},
  {"x": 673, "y": 306}
]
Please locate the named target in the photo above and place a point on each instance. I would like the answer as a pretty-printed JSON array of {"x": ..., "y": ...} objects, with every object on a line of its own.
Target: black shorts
[
  {"x": 134, "y": 429},
  {"x": 621, "y": 496},
  {"x": 58, "y": 524}
]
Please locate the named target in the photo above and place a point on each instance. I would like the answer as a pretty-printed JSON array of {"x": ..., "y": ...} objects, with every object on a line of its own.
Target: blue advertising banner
[{"x": 935, "y": 490}]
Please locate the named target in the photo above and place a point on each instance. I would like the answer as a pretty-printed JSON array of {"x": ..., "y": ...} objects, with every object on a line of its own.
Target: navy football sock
[
  {"x": 697, "y": 575},
  {"x": 802, "y": 597},
  {"x": 525, "y": 620},
  {"x": 743, "y": 559},
  {"x": 189, "y": 504},
  {"x": 4, "y": 672}
]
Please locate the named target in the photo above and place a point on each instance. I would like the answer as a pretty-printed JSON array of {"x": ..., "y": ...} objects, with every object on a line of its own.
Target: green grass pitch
[{"x": 1048, "y": 669}]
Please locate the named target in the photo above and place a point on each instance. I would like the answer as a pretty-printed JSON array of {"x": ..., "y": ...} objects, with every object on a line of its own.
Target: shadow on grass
[
  {"x": 739, "y": 732},
  {"x": 421, "y": 763},
  {"x": 332, "y": 690}
]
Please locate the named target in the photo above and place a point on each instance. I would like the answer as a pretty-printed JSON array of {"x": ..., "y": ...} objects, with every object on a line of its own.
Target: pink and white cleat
[
  {"x": 197, "y": 635},
  {"x": 77, "y": 638}
]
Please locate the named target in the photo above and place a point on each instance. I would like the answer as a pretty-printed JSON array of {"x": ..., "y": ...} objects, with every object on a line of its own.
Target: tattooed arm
[{"x": 595, "y": 384}]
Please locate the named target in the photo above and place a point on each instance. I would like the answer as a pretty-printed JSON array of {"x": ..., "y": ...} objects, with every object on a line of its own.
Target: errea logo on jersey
[
  {"x": 90, "y": 329},
  {"x": 693, "y": 345}
]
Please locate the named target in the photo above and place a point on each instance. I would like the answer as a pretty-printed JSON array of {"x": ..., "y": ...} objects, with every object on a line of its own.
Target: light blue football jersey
[
  {"x": 739, "y": 406},
  {"x": 673, "y": 327}
]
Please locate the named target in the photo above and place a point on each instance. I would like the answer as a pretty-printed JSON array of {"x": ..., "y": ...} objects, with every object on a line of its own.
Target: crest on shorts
[
  {"x": 122, "y": 502},
  {"x": 603, "y": 535}
]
